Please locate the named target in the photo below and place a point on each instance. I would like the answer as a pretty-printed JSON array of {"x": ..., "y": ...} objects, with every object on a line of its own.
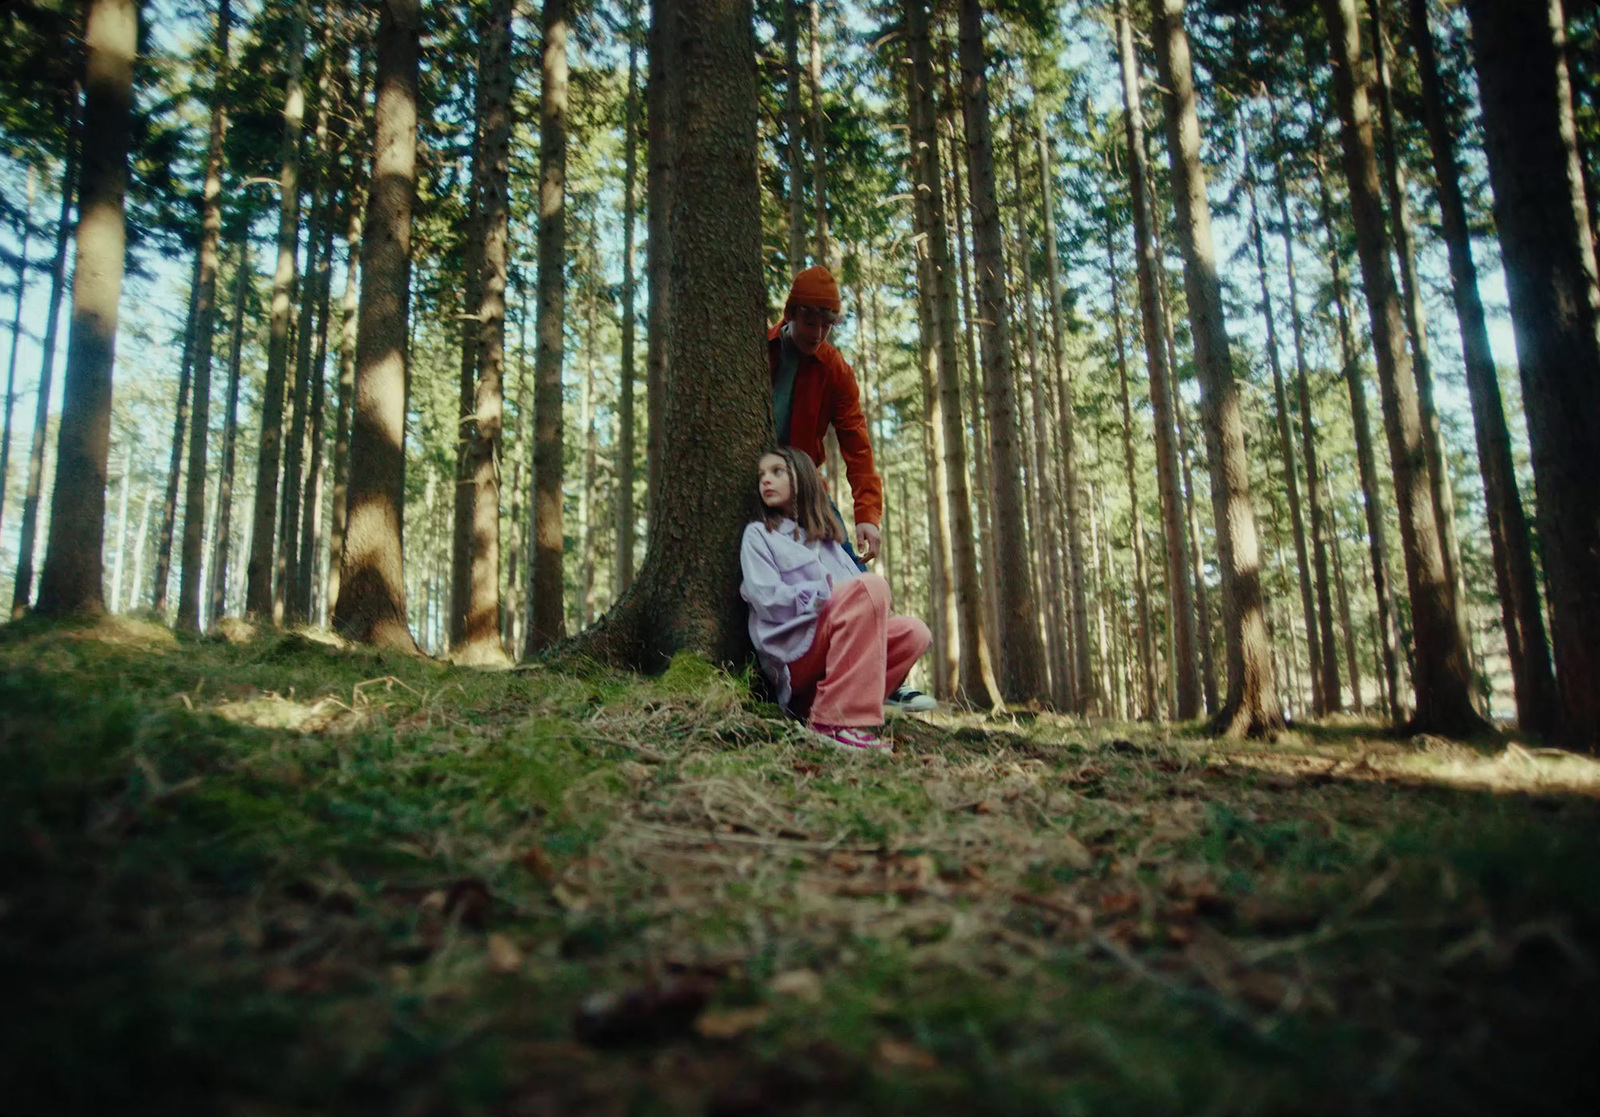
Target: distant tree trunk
[
  {"x": 1250, "y": 708},
  {"x": 977, "y": 682},
  {"x": 791, "y": 127},
  {"x": 73, "y": 566},
  {"x": 819, "y": 154},
  {"x": 205, "y": 316},
  {"x": 120, "y": 547},
  {"x": 180, "y": 424},
  {"x": 258, "y": 595},
  {"x": 16, "y": 336},
  {"x": 464, "y": 504},
  {"x": 625, "y": 419},
  {"x": 371, "y": 606},
  {"x": 589, "y": 457},
  {"x": 22, "y": 584},
  {"x": 1308, "y": 444},
  {"x": 1191, "y": 520},
  {"x": 316, "y": 458},
  {"x": 1548, "y": 248},
  {"x": 1351, "y": 652},
  {"x": 546, "y": 619},
  {"x": 1366, "y": 463},
  {"x": 479, "y": 640},
  {"x": 218, "y": 590},
  {"x": 1442, "y": 674},
  {"x": 1141, "y": 587},
  {"x": 686, "y": 597},
  {"x": 1314, "y": 646},
  {"x": 1021, "y": 653},
  {"x": 1186, "y": 700},
  {"x": 1537, "y": 708},
  {"x": 1083, "y": 682}
]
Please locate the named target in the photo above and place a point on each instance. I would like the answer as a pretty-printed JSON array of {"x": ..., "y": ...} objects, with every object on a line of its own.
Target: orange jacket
[{"x": 826, "y": 393}]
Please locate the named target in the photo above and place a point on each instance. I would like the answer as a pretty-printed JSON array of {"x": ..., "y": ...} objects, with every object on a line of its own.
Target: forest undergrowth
[{"x": 274, "y": 876}]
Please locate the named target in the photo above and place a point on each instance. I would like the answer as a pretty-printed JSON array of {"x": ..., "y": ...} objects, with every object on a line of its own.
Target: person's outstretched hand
[{"x": 868, "y": 541}]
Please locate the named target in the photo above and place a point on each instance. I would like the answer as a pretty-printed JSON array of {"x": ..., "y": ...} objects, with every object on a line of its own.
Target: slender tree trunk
[
  {"x": 230, "y": 431},
  {"x": 204, "y": 330},
  {"x": 1314, "y": 647},
  {"x": 1365, "y": 461},
  {"x": 819, "y": 156},
  {"x": 316, "y": 468},
  {"x": 791, "y": 121},
  {"x": 119, "y": 548},
  {"x": 1351, "y": 652},
  {"x": 258, "y": 596},
  {"x": 586, "y": 422},
  {"x": 546, "y": 620},
  {"x": 625, "y": 419},
  {"x": 22, "y": 584},
  {"x": 479, "y": 640},
  {"x": 371, "y": 606},
  {"x": 464, "y": 505},
  {"x": 1442, "y": 676},
  {"x": 16, "y": 336},
  {"x": 1186, "y": 699},
  {"x": 977, "y": 681},
  {"x": 180, "y": 424},
  {"x": 1548, "y": 249},
  {"x": 139, "y": 539},
  {"x": 1526, "y": 644},
  {"x": 1308, "y": 445},
  {"x": 1021, "y": 653},
  {"x": 73, "y": 566}
]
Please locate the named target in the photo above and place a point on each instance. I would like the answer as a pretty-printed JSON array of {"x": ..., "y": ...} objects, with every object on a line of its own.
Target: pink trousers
[{"x": 858, "y": 657}]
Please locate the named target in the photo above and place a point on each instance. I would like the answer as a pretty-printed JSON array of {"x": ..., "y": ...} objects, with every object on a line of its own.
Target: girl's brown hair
[{"x": 811, "y": 510}]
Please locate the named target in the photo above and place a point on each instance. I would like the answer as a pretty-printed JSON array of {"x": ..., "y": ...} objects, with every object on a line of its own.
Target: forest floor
[{"x": 281, "y": 877}]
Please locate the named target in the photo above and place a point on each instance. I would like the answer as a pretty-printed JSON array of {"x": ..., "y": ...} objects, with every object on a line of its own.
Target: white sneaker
[{"x": 909, "y": 701}]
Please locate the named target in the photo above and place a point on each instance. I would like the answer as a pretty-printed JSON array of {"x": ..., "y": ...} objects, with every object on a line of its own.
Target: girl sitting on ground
[{"x": 821, "y": 627}]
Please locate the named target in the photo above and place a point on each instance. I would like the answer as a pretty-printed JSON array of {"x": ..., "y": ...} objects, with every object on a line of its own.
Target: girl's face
[{"x": 774, "y": 483}]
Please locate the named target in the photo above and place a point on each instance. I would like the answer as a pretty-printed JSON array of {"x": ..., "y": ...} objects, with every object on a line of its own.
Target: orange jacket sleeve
[{"x": 855, "y": 443}]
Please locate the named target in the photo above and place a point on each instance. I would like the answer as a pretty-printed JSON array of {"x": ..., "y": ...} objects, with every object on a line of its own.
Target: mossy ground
[{"x": 285, "y": 877}]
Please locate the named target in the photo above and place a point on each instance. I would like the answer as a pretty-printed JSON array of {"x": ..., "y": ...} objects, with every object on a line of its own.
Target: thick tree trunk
[
  {"x": 546, "y": 618},
  {"x": 1250, "y": 708},
  {"x": 479, "y": 639},
  {"x": 1314, "y": 646},
  {"x": 371, "y": 606},
  {"x": 1185, "y": 700},
  {"x": 72, "y": 578},
  {"x": 218, "y": 589},
  {"x": 22, "y": 584},
  {"x": 1021, "y": 653},
  {"x": 1548, "y": 248},
  {"x": 1366, "y": 463},
  {"x": 258, "y": 597},
  {"x": 977, "y": 682},
  {"x": 686, "y": 597},
  {"x": 625, "y": 418},
  {"x": 1442, "y": 675},
  {"x": 205, "y": 315},
  {"x": 1523, "y": 620}
]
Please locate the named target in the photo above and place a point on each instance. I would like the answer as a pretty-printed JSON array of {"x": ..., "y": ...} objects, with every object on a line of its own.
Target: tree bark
[
  {"x": 22, "y": 584},
  {"x": 1314, "y": 646},
  {"x": 1526, "y": 644},
  {"x": 205, "y": 315},
  {"x": 791, "y": 121},
  {"x": 686, "y": 597},
  {"x": 218, "y": 590},
  {"x": 1186, "y": 699},
  {"x": 1250, "y": 707},
  {"x": 180, "y": 424},
  {"x": 819, "y": 155},
  {"x": 464, "y": 505},
  {"x": 261, "y": 571},
  {"x": 1548, "y": 249},
  {"x": 1021, "y": 653},
  {"x": 546, "y": 618},
  {"x": 1442, "y": 673},
  {"x": 71, "y": 582},
  {"x": 16, "y": 337},
  {"x": 625, "y": 417},
  {"x": 371, "y": 606}
]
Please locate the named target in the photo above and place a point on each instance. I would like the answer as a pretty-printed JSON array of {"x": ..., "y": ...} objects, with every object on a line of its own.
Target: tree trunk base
[
  {"x": 1460, "y": 727},
  {"x": 1239, "y": 721}
]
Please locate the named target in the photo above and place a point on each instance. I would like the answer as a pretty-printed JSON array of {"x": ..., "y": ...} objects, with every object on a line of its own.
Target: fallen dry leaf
[
  {"x": 504, "y": 957},
  {"x": 802, "y": 985},
  {"x": 731, "y": 1023},
  {"x": 537, "y": 862},
  {"x": 1076, "y": 854},
  {"x": 902, "y": 1055}
]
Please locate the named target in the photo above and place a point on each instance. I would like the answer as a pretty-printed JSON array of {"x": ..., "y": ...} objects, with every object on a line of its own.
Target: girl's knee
[{"x": 871, "y": 586}]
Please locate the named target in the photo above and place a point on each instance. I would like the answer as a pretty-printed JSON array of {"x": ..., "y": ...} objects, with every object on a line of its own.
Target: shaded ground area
[{"x": 280, "y": 877}]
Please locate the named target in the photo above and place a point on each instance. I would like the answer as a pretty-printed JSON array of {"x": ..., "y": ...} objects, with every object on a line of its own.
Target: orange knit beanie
[{"x": 815, "y": 287}]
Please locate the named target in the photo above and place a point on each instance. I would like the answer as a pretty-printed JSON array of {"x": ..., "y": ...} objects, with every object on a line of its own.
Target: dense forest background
[{"x": 1180, "y": 328}]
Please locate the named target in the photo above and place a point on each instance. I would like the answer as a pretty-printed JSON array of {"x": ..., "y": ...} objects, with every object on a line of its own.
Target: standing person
[
  {"x": 820, "y": 625},
  {"x": 813, "y": 388}
]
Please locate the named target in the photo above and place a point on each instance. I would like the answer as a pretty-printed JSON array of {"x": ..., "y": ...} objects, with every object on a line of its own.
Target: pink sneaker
[{"x": 853, "y": 738}]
